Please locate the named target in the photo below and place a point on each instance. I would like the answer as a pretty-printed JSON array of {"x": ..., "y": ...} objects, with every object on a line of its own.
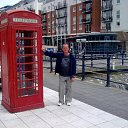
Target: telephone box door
[{"x": 28, "y": 67}]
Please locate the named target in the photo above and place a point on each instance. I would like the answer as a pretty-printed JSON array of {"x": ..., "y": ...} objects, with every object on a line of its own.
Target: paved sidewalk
[
  {"x": 108, "y": 99},
  {"x": 79, "y": 115}
]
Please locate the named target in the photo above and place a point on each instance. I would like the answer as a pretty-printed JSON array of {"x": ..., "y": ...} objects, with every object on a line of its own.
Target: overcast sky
[{"x": 8, "y": 2}]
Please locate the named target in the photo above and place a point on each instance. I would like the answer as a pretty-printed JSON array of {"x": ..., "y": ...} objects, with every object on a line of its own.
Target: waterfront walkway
[{"x": 93, "y": 106}]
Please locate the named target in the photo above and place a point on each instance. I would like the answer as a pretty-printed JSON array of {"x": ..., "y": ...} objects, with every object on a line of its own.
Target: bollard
[
  {"x": 113, "y": 62},
  {"x": 51, "y": 65},
  {"x": 91, "y": 59},
  {"x": 83, "y": 66},
  {"x": 122, "y": 58},
  {"x": 108, "y": 72}
]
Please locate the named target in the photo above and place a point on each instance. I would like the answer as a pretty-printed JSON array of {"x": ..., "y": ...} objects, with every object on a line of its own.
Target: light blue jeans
[{"x": 65, "y": 89}]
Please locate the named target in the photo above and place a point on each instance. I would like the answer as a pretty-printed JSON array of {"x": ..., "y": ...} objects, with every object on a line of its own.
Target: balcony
[
  {"x": 44, "y": 27},
  {"x": 31, "y": 9},
  {"x": 61, "y": 6},
  {"x": 87, "y": 1},
  {"x": 87, "y": 21},
  {"x": 61, "y": 15},
  {"x": 107, "y": 8},
  {"x": 86, "y": 10},
  {"x": 64, "y": 24},
  {"x": 44, "y": 32},
  {"x": 44, "y": 20},
  {"x": 107, "y": 19}
]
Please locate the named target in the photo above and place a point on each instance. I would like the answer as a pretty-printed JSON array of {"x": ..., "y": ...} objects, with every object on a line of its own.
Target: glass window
[
  {"x": 74, "y": 9},
  {"x": 80, "y": 26},
  {"x": 74, "y": 1},
  {"x": 48, "y": 7},
  {"x": 118, "y": 1},
  {"x": 88, "y": 28},
  {"x": 80, "y": 19},
  {"x": 74, "y": 20},
  {"x": 49, "y": 24},
  {"x": 74, "y": 27},
  {"x": 88, "y": 17},
  {"x": 118, "y": 14},
  {"x": 80, "y": 7},
  {"x": 88, "y": 6},
  {"x": 118, "y": 23},
  {"x": 53, "y": 15},
  {"x": 48, "y": 15}
]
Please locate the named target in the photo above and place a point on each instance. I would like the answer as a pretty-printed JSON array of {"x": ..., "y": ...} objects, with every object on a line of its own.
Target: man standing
[{"x": 66, "y": 67}]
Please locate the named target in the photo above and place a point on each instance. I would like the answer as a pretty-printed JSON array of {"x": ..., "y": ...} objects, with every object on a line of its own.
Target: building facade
[
  {"x": 113, "y": 15},
  {"x": 62, "y": 19},
  {"x": 65, "y": 18}
]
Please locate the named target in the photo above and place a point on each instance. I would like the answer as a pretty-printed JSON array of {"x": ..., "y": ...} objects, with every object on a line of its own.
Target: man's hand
[
  {"x": 72, "y": 79},
  {"x": 43, "y": 49}
]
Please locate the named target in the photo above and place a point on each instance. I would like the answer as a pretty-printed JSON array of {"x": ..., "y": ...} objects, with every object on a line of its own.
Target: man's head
[{"x": 65, "y": 49}]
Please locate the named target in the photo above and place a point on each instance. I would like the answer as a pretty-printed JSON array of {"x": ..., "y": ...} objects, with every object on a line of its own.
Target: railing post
[
  {"x": 51, "y": 66},
  {"x": 83, "y": 66},
  {"x": 91, "y": 59},
  {"x": 108, "y": 72},
  {"x": 122, "y": 58}
]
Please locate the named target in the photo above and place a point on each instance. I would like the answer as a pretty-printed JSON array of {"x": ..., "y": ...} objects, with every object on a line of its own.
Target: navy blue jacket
[{"x": 59, "y": 56}]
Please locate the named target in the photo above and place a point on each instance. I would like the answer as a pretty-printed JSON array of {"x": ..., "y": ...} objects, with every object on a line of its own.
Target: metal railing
[{"x": 106, "y": 68}]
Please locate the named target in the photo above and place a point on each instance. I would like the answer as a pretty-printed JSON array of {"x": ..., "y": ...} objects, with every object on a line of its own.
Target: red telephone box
[{"x": 21, "y": 42}]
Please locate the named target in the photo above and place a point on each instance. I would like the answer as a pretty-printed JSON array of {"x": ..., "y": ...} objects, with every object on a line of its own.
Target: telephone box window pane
[
  {"x": 27, "y": 62},
  {"x": 29, "y": 89},
  {"x": 25, "y": 33}
]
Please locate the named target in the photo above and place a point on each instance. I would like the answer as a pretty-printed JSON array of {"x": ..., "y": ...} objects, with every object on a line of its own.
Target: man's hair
[{"x": 65, "y": 44}]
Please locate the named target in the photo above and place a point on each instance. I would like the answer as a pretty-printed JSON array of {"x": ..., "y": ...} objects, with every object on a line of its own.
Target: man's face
[{"x": 65, "y": 48}]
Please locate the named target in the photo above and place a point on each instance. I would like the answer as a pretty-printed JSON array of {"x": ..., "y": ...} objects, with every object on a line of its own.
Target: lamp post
[
  {"x": 51, "y": 25},
  {"x": 36, "y": 7},
  {"x": 65, "y": 32}
]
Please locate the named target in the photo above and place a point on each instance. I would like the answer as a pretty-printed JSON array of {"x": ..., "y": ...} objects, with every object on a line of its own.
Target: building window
[
  {"x": 88, "y": 28},
  {"x": 74, "y": 27},
  {"x": 118, "y": 1},
  {"x": 48, "y": 15},
  {"x": 49, "y": 8},
  {"x": 108, "y": 26},
  {"x": 80, "y": 19},
  {"x": 88, "y": 6},
  {"x": 118, "y": 14},
  {"x": 80, "y": 26},
  {"x": 31, "y": 6},
  {"x": 118, "y": 23},
  {"x": 53, "y": 24},
  {"x": 49, "y": 24},
  {"x": 74, "y": 20},
  {"x": 40, "y": 0},
  {"x": 74, "y": 1},
  {"x": 88, "y": 17},
  {"x": 53, "y": 31},
  {"x": 74, "y": 9},
  {"x": 53, "y": 15},
  {"x": 80, "y": 7}
]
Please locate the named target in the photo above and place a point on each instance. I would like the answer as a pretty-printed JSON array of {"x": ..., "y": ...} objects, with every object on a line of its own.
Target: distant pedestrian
[{"x": 66, "y": 67}]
